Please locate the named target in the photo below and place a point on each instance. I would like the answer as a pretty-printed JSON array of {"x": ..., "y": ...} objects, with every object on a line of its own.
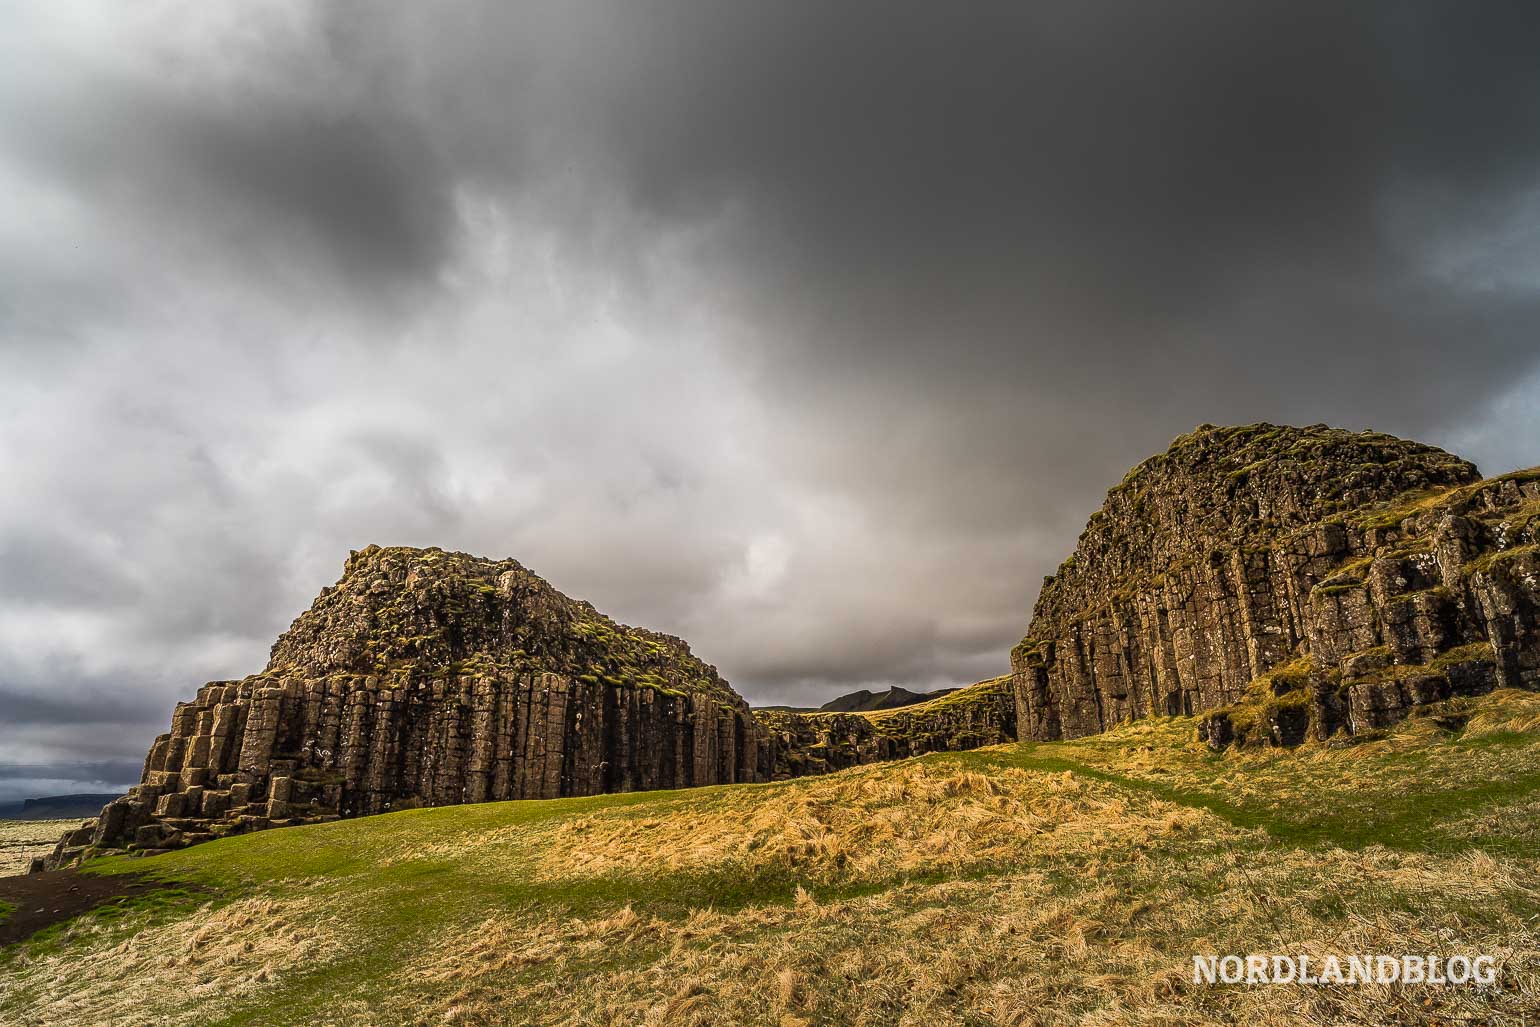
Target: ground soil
[{"x": 47, "y": 898}]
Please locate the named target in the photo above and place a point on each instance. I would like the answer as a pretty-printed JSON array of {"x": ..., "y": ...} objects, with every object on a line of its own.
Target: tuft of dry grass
[{"x": 1507, "y": 711}]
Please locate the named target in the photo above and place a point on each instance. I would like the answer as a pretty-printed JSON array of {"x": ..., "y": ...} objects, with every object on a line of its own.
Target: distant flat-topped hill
[
  {"x": 864, "y": 700},
  {"x": 56, "y": 807}
]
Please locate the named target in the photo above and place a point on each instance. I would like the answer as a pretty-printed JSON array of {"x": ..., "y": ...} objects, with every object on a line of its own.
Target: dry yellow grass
[
  {"x": 173, "y": 973},
  {"x": 1113, "y": 947},
  {"x": 874, "y": 824},
  {"x": 20, "y": 840},
  {"x": 1507, "y": 711}
]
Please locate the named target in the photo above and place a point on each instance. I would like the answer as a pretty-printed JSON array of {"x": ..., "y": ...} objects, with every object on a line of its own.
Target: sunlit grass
[{"x": 20, "y": 840}]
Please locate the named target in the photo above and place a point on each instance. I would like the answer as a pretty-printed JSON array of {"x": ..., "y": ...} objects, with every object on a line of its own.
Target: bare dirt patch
[{"x": 41, "y": 900}]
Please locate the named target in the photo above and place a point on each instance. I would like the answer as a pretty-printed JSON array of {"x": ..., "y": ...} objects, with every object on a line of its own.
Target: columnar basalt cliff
[
  {"x": 1290, "y": 583},
  {"x": 816, "y": 743},
  {"x": 431, "y": 678}
]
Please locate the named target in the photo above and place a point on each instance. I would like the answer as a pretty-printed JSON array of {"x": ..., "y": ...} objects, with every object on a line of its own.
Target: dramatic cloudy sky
[{"x": 808, "y": 331}]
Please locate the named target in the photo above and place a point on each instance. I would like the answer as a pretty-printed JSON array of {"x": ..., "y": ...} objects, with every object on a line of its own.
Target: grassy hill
[{"x": 1052, "y": 883}]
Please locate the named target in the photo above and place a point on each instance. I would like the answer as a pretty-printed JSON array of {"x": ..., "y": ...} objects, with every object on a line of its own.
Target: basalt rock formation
[
  {"x": 1288, "y": 583},
  {"x": 1283, "y": 583},
  {"x": 429, "y": 678},
  {"x": 432, "y": 678},
  {"x": 817, "y": 743}
]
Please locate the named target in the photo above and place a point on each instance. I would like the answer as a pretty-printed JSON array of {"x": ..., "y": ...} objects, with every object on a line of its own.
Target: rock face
[
  {"x": 816, "y": 743},
  {"x": 1315, "y": 580},
  {"x": 433, "y": 678},
  {"x": 429, "y": 678}
]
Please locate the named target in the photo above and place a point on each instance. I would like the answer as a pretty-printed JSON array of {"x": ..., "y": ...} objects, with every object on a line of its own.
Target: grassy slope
[{"x": 1050, "y": 883}]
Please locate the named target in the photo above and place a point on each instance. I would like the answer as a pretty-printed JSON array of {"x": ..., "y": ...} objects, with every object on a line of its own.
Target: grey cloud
[
  {"x": 1200, "y": 201},
  {"x": 29, "y": 782},
  {"x": 97, "y": 702},
  {"x": 234, "y": 155},
  {"x": 99, "y": 772}
]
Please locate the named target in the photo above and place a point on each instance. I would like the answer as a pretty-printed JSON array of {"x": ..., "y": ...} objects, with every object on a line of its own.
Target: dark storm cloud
[
  {"x": 244, "y": 153},
  {"x": 809, "y": 331},
  {"x": 1175, "y": 212},
  {"x": 1064, "y": 193},
  {"x": 93, "y": 705}
]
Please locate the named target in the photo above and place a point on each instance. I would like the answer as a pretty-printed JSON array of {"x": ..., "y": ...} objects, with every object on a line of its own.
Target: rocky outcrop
[
  {"x": 1312, "y": 580},
  {"x": 430, "y": 678},
  {"x": 426, "y": 678},
  {"x": 816, "y": 743}
]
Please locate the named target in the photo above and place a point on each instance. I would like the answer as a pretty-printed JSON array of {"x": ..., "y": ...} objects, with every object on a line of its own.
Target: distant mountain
[
  {"x": 866, "y": 701},
  {"x": 56, "y": 807}
]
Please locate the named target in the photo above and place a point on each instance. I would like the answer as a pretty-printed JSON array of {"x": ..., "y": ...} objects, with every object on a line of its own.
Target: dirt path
[{"x": 47, "y": 898}]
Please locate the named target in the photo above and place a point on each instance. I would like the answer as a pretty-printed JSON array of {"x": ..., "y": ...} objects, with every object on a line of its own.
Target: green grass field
[{"x": 1054, "y": 883}]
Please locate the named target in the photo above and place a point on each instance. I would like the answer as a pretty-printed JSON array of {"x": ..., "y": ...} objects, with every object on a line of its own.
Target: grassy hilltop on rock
[{"x": 1386, "y": 571}]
